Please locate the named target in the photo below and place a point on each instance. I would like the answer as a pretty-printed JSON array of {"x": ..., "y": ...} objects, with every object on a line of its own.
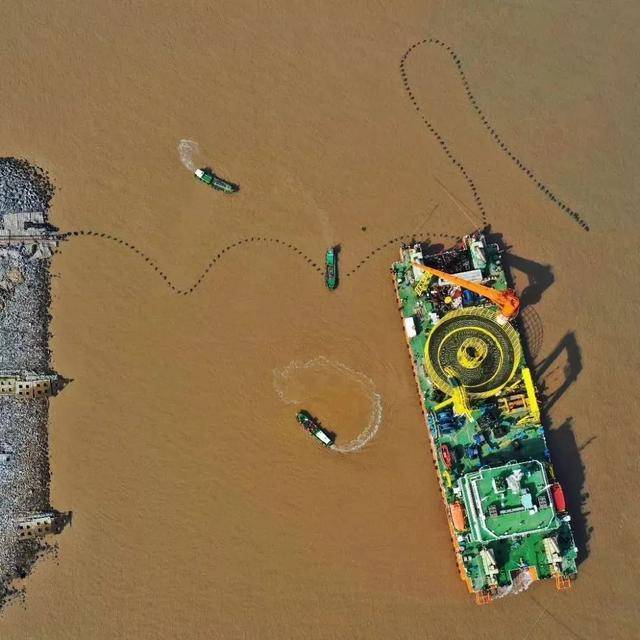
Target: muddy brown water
[{"x": 200, "y": 509}]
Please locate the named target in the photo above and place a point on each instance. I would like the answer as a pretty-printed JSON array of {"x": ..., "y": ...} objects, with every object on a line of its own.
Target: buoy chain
[
  {"x": 283, "y": 243},
  {"x": 191, "y": 289},
  {"x": 487, "y": 125}
]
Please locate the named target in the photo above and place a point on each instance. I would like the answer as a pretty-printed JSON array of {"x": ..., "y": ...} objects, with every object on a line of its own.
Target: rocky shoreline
[{"x": 26, "y": 378}]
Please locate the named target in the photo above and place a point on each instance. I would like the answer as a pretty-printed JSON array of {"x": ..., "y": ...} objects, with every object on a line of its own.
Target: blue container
[{"x": 468, "y": 298}]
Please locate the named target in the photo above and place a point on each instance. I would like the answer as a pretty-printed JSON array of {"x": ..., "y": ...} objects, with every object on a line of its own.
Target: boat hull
[{"x": 483, "y": 423}]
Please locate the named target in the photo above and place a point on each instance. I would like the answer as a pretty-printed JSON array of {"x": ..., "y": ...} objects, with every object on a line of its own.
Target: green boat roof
[{"x": 497, "y": 510}]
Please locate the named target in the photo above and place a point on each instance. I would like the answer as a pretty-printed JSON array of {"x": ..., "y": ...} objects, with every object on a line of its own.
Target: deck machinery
[{"x": 506, "y": 510}]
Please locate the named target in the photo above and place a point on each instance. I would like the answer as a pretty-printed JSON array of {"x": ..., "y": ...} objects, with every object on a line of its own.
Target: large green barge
[{"x": 506, "y": 511}]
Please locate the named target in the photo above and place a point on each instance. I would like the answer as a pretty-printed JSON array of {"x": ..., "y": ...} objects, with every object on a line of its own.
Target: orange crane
[{"x": 507, "y": 301}]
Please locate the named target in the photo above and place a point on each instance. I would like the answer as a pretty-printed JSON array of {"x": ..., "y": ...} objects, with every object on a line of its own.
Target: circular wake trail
[{"x": 281, "y": 377}]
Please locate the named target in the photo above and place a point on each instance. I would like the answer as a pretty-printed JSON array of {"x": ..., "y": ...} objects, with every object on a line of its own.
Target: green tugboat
[
  {"x": 331, "y": 268},
  {"x": 209, "y": 178},
  {"x": 311, "y": 425},
  {"x": 507, "y": 512}
]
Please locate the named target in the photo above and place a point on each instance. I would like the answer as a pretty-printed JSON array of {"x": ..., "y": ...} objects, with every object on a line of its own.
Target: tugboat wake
[{"x": 288, "y": 381}]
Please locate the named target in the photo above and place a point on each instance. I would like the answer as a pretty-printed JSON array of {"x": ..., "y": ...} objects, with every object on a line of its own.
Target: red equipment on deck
[{"x": 558, "y": 497}]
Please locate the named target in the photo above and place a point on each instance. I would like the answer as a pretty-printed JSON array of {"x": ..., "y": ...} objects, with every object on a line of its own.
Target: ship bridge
[{"x": 508, "y": 501}]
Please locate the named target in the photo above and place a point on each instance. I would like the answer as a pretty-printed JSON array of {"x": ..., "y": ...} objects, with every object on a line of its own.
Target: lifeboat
[
  {"x": 558, "y": 497},
  {"x": 445, "y": 452},
  {"x": 457, "y": 515}
]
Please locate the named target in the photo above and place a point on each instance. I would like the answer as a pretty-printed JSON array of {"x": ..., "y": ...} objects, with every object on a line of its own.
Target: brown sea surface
[{"x": 201, "y": 510}]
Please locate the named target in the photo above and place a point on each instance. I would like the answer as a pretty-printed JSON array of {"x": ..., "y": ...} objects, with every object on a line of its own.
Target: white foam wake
[
  {"x": 189, "y": 150},
  {"x": 521, "y": 582},
  {"x": 281, "y": 377}
]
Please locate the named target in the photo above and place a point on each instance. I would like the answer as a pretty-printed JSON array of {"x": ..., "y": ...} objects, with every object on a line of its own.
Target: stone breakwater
[{"x": 27, "y": 380}]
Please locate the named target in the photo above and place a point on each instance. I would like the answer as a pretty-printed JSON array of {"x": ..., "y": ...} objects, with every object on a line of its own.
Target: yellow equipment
[
  {"x": 472, "y": 352},
  {"x": 483, "y": 354},
  {"x": 422, "y": 286},
  {"x": 531, "y": 394},
  {"x": 461, "y": 405},
  {"x": 514, "y": 403},
  {"x": 443, "y": 404}
]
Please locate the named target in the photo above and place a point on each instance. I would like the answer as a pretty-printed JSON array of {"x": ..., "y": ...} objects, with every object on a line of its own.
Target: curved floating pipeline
[
  {"x": 184, "y": 291},
  {"x": 487, "y": 125}
]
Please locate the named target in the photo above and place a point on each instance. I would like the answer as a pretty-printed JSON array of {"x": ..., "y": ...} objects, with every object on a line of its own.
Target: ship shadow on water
[
  {"x": 337, "y": 249},
  {"x": 539, "y": 276},
  {"x": 555, "y": 374},
  {"x": 571, "y": 365},
  {"x": 566, "y": 452}
]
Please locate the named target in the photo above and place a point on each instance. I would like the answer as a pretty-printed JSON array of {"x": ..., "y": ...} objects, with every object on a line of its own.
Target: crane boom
[{"x": 507, "y": 301}]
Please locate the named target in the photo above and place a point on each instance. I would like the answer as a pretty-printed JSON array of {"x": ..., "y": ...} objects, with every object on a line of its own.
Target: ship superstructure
[{"x": 506, "y": 511}]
